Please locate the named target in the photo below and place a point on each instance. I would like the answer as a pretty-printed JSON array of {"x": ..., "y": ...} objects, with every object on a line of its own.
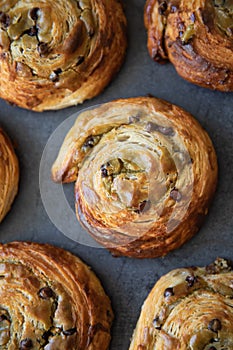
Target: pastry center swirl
[
  {"x": 125, "y": 181},
  {"x": 46, "y": 34}
]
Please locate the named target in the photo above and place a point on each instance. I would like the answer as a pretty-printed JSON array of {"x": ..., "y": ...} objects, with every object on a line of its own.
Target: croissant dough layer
[
  {"x": 196, "y": 36},
  {"x": 145, "y": 174},
  {"x": 49, "y": 299},
  {"x": 54, "y": 54},
  {"x": 189, "y": 308},
  {"x": 9, "y": 174}
]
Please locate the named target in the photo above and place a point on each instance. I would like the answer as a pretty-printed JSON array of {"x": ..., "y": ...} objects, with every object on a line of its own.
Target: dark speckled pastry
[
  {"x": 55, "y": 54},
  {"x": 50, "y": 300},
  {"x": 188, "y": 309},
  {"x": 145, "y": 174},
  {"x": 196, "y": 36}
]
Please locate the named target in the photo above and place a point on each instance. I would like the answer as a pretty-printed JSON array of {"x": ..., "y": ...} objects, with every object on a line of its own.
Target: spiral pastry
[
  {"x": 145, "y": 173},
  {"x": 9, "y": 174},
  {"x": 189, "y": 308},
  {"x": 55, "y": 54},
  {"x": 49, "y": 299},
  {"x": 196, "y": 36}
]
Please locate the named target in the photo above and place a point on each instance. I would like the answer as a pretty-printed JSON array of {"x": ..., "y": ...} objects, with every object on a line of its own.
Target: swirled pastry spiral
[
  {"x": 9, "y": 174},
  {"x": 196, "y": 36},
  {"x": 189, "y": 308},
  {"x": 50, "y": 300},
  {"x": 145, "y": 173},
  {"x": 55, "y": 54}
]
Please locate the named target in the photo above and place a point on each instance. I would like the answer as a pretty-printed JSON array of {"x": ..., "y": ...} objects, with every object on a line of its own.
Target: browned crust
[
  {"x": 88, "y": 61},
  {"x": 206, "y": 58},
  {"x": 9, "y": 174},
  {"x": 158, "y": 240},
  {"x": 183, "y": 306},
  {"x": 80, "y": 299}
]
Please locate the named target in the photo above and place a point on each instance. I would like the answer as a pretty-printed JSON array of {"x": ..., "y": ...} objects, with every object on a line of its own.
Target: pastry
[
  {"x": 50, "y": 300},
  {"x": 9, "y": 174},
  {"x": 54, "y": 54},
  {"x": 145, "y": 174},
  {"x": 196, "y": 36},
  {"x": 189, "y": 308}
]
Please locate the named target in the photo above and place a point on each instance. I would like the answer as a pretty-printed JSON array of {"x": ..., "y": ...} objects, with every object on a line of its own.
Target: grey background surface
[{"x": 127, "y": 281}]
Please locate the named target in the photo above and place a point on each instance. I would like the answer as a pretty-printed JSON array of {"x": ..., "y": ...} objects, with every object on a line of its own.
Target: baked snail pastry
[
  {"x": 145, "y": 173},
  {"x": 196, "y": 36},
  {"x": 189, "y": 308},
  {"x": 49, "y": 299},
  {"x": 9, "y": 174},
  {"x": 55, "y": 54}
]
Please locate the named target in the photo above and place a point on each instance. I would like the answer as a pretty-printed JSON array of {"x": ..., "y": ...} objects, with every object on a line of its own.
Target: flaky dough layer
[{"x": 9, "y": 174}]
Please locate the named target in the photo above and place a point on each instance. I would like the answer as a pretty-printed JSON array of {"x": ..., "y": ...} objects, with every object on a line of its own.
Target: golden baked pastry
[
  {"x": 55, "y": 54},
  {"x": 189, "y": 308},
  {"x": 145, "y": 173},
  {"x": 49, "y": 299},
  {"x": 196, "y": 36},
  {"x": 9, "y": 174}
]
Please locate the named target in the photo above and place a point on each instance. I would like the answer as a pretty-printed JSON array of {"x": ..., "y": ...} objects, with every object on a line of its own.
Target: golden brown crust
[
  {"x": 49, "y": 299},
  {"x": 145, "y": 174},
  {"x": 196, "y": 36},
  {"x": 9, "y": 174},
  {"x": 189, "y": 308},
  {"x": 54, "y": 54}
]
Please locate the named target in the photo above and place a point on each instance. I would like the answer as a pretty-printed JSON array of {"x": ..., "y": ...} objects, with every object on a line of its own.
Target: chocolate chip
[
  {"x": 5, "y": 19},
  {"x": 191, "y": 280},
  {"x": 80, "y": 60},
  {"x": 43, "y": 49},
  {"x": 173, "y": 9},
  {"x": 193, "y": 17},
  {"x": 90, "y": 142},
  {"x": 156, "y": 323},
  {"x": 142, "y": 206},
  {"x": 134, "y": 119},
  {"x": 70, "y": 331},
  {"x": 32, "y": 31},
  {"x": 215, "y": 325},
  {"x": 3, "y": 317},
  {"x": 26, "y": 344},
  {"x": 162, "y": 129},
  {"x": 162, "y": 8},
  {"x": 169, "y": 292},
  {"x": 33, "y": 13},
  {"x": 230, "y": 31},
  {"x": 58, "y": 71},
  {"x": 46, "y": 335},
  {"x": 104, "y": 172},
  {"x": 45, "y": 293},
  {"x": 54, "y": 76},
  {"x": 176, "y": 195}
]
